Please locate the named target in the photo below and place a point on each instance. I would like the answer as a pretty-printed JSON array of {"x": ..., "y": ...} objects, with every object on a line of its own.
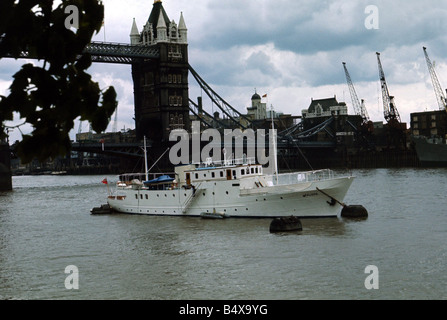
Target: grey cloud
[{"x": 308, "y": 27}]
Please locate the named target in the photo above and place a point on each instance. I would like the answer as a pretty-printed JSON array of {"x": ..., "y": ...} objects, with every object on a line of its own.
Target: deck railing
[
  {"x": 305, "y": 176},
  {"x": 209, "y": 162}
]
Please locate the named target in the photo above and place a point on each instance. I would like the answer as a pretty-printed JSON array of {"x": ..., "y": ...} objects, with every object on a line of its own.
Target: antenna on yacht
[
  {"x": 274, "y": 144},
  {"x": 224, "y": 151}
]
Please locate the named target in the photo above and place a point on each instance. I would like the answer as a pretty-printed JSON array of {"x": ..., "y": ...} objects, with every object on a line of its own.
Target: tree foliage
[{"x": 50, "y": 97}]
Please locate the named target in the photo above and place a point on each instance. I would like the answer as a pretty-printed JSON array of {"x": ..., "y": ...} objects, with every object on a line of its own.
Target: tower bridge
[{"x": 158, "y": 56}]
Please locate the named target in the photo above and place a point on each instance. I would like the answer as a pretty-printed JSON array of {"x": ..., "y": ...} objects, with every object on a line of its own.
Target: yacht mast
[
  {"x": 145, "y": 160},
  {"x": 274, "y": 145}
]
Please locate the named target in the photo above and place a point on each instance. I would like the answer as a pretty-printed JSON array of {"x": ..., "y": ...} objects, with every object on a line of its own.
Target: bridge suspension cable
[{"x": 235, "y": 116}]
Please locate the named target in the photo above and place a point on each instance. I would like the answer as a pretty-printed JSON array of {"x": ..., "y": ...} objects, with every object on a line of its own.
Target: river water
[{"x": 46, "y": 225}]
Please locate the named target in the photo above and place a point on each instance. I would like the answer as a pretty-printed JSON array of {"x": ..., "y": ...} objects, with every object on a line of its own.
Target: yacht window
[
  {"x": 212, "y": 174},
  {"x": 197, "y": 176},
  {"x": 221, "y": 174},
  {"x": 252, "y": 170},
  {"x": 146, "y": 196},
  {"x": 242, "y": 171}
]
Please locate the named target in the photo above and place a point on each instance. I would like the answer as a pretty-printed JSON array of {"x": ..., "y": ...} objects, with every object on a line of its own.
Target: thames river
[{"x": 51, "y": 247}]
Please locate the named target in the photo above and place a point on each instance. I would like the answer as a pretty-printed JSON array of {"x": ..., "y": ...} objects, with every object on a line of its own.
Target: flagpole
[{"x": 107, "y": 183}]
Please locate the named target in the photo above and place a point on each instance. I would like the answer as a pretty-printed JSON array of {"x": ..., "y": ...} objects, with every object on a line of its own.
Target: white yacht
[{"x": 231, "y": 188}]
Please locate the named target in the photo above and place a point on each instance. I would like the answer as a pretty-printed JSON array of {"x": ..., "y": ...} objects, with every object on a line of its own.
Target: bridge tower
[{"x": 161, "y": 85}]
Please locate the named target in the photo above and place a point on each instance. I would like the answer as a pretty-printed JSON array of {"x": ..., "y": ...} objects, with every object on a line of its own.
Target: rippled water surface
[{"x": 46, "y": 225}]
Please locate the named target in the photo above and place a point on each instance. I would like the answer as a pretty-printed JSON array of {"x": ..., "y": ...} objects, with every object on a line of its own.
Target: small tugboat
[
  {"x": 283, "y": 224},
  {"x": 214, "y": 215},
  {"x": 103, "y": 209}
]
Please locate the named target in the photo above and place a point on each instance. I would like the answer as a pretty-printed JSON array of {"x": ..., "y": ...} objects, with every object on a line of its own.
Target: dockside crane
[
  {"x": 395, "y": 130},
  {"x": 359, "y": 107},
  {"x": 440, "y": 97},
  {"x": 390, "y": 111}
]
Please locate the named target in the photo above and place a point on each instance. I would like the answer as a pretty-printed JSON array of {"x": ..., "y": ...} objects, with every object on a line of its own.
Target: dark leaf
[{"x": 51, "y": 97}]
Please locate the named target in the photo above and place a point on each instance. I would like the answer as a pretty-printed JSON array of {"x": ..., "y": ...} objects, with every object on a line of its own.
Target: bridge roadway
[
  {"x": 108, "y": 52},
  {"x": 135, "y": 149},
  {"x": 120, "y": 53},
  {"x": 123, "y": 149}
]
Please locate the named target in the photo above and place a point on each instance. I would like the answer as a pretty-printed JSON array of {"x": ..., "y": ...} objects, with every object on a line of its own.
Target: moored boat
[
  {"x": 103, "y": 209},
  {"x": 431, "y": 151},
  {"x": 237, "y": 188},
  {"x": 214, "y": 215}
]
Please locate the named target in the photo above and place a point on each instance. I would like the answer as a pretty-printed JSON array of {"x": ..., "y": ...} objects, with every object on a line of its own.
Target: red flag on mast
[{"x": 104, "y": 181}]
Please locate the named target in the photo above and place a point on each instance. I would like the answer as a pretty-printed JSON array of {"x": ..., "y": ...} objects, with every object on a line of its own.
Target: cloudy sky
[{"x": 291, "y": 50}]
